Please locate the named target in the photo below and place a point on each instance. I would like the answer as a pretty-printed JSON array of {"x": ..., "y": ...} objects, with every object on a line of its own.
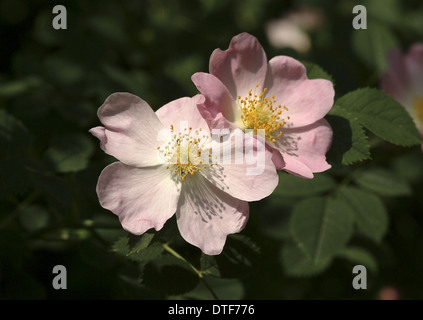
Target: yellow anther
[
  {"x": 260, "y": 112},
  {"x": 184, "y": 152}
]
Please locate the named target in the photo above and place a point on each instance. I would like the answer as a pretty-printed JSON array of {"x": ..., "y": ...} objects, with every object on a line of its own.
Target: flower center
[
  {"x": 185, "y": 152},
  {"x": 261, "y": 112},
  {"x": 418, "y": 108}
]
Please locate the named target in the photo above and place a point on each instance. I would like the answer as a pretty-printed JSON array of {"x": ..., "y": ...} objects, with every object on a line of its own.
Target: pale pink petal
[
  {"x": 277, "y": 157},
  {"x": 414, "y": 62},
  {"x": 307, "y": 100},
  {"x": 216, "y": 122},
  {"x": 304, "y": 149},
  {"x": 100, "y": 134},
  {"x": 142, "y": 198},
  {"x": 206, "y": 215},
  {"x": 130, "y": 130},
  {"x": 244, "y": 169},
  {"x": 183, "y": 113},
  {"x": 297, "y": 168},
  {"x": 241, "y": 66},
  {"x": 217, "y": 99},
  {"x": 396, "y": 81}
]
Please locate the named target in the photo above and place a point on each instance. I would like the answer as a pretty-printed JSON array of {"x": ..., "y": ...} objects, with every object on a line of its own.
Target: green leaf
[
  {"x": 372, "y": 44},
  {"x": 321, "y": 227},
  {"x": 33, "y": 217},
  {"x": 371, "y": 217},
  {"x": 70, "y": 153},
  {"x": 296, "y": 263},
  {"x": 121, "y": 246},
  {"x": 350, "y": 143},
  {"x": 208, "y": 265},
  {"x": 314, "y": 71},
  {"x": 147, "y": 254},
  {"x": 382, "y": 181},
  {"x": 14, "y": 137},
  {"x": 138, "y": 248},
  {"x": 359, "y": 256},
  {"x": 138, "y": 243},
  {"x": 381, "y": 114},
  {"x": 292, "y": 186}
]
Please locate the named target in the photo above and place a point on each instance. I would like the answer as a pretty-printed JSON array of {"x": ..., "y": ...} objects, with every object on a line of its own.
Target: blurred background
[{"x": 53, "y": 81}]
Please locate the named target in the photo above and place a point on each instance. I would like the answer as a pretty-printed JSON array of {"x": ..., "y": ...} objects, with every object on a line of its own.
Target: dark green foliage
[{"x": 300, "y": 243}]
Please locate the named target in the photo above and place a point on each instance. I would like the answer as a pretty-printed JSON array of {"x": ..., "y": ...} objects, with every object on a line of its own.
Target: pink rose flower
[
  {"x": 404, "y": 81},
  {"x": 292, "y": 29},
  {"x": 243, "y": 90},
  {"x": 165, "y": 167}
]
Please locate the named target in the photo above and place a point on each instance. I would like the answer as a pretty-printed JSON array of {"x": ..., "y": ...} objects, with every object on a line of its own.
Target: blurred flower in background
[
  {"x": 404, "y": 80},
  {"x": 388, "y": 293},
  {"x": 291, "y": 31}
]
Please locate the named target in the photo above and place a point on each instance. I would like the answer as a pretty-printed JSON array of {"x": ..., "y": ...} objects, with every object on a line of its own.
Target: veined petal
[
  {"x": 277, "y": 157},
  {"x": 304, "y": 149},
  {"x": 297, "y": 168},
  {"x": 142, "y": 198},
  {"x": 307, "y": 100},
  {"x": 183, "y": 113},
  {"x": 130, "y": 130},
  {"x": 241, "y": 66},
  {"x": 206, "y": 215},
  {"x": 243, "y": 167},
  {"x": 217, "y": 99}
]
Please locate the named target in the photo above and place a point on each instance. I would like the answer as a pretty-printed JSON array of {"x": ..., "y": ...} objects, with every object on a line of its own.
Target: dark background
[{"x": 53, "y": 81}]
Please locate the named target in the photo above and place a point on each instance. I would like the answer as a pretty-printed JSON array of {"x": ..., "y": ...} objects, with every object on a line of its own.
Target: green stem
[{"x": 198, "y": 272}]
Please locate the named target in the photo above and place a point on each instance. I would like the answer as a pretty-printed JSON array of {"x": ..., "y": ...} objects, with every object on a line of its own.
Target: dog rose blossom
[
  {"x": 404, "y": 81},
  {"x": 166, "y": 166},
  {"x": 244, "y": 90}
]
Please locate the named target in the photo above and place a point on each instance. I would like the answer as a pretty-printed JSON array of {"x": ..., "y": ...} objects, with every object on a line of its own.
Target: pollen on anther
[
  {"x": 261, "y": 112},
  {"x": 184, "y": 152}
]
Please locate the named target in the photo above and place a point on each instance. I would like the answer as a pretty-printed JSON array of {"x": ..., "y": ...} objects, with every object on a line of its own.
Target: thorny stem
[{"x": 198, "y": 272}]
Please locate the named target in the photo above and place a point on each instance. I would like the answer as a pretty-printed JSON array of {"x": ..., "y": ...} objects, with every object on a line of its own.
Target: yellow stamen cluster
[
  {"x": 261, "y": 112},
  {"x": 418, "y": 108},
  {"x": 185, "y": 152}
]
